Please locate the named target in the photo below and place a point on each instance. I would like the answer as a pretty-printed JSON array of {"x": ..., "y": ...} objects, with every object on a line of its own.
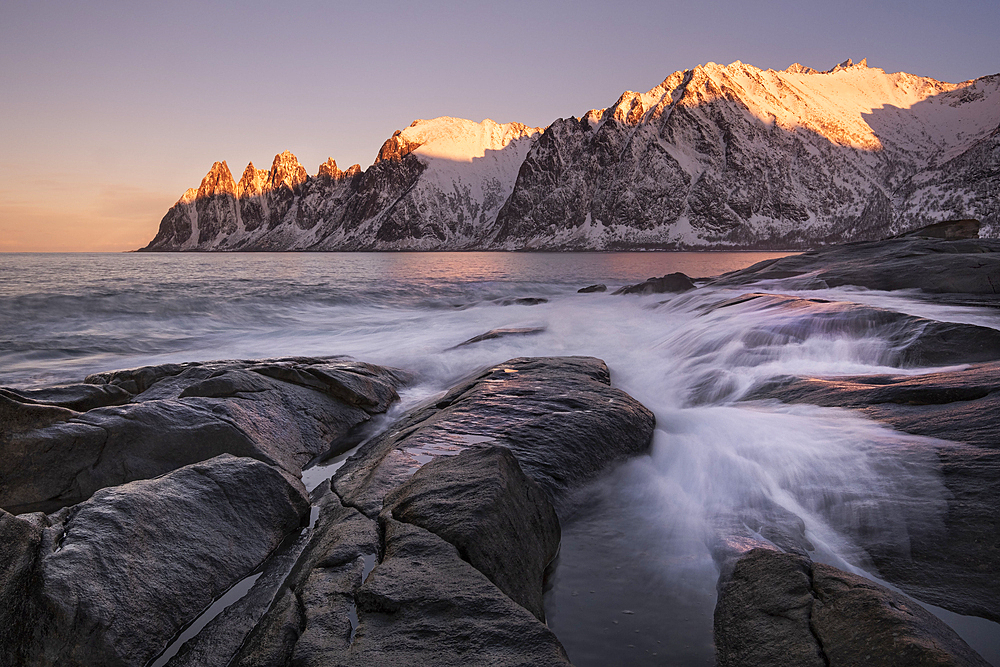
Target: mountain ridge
[{"x": 713, "y": 157}]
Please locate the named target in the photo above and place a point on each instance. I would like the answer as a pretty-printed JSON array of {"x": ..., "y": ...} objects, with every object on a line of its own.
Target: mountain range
[{"x": 715, "y": 157}]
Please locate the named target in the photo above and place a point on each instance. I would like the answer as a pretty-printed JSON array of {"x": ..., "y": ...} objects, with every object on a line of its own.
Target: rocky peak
[
  {"x": 629, "y": 108},
  {"x": 286, "y": 172},
  {"x": 352, "y": 171},
  {"x": 849, "y": 64},
  {"x": 218, "y": 181},
  {"x": 397, "y": 147},
  {"x": 252, "y": 183},
  {"x": 796, "y": 68},
  {"x": 329, "y": 171}
]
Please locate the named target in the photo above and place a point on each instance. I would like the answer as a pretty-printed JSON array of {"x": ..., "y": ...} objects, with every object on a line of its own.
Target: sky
[{"x": 110, "y": 110}]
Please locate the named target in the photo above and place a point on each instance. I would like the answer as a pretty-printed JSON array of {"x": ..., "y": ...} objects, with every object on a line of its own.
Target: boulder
[
  {"x": 120, "y": 574},
  {"x": 559, "y": 416},
  {"x": 281, "y": 412},
  {"x": 499, "y": 520},
  {"x": 782, "y": 609},
  {"x": 670, "y": 283},
  {"x": 462, "y": 491}
]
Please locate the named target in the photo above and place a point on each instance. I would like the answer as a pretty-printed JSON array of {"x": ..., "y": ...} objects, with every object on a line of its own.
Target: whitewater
[{"x": 635, "y": 579}]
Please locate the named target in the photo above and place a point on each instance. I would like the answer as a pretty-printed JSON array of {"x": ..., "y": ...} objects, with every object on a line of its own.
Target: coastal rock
[
  {"x": 423, "y": 600},
  {"x": 672, "y": 282},
  {"x": 77, "y": 397},
  {"x": 282, "y": 412},
  {"x": 498, "y": 519},
  {"x": 20, "y": 540},
  {"x": 504, "y": 332},
  {"x": 935, "y": 266},
  {"x": 559, "y": 416},
  {"x": 952, "y": 566},
  {"x": 907, "y": 340},
  {"x": 600, "y": 287},
  {"x": 121, "y": 573},
  {"x": 436, "y": 534},
  {"x": 782, "y": 609}
]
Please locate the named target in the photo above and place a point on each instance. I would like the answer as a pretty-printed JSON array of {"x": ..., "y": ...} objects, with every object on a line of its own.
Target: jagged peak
[
  {"x": 218, "y": 180},
  {"x": 329, "y": 170},
  {"x": 252, "y": 182},
  {"x": 352, "y": 171},
  {"x": 286, "y": 171},
  {"x": 455, "y": 139},
  {"x": 797, "y": 68},
  {"x": 848, "y": 64},
  {"x": 396, "y": 147}
]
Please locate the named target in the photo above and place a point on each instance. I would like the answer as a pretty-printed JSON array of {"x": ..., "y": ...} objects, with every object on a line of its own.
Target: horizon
[{"x": 135, "y": 106}]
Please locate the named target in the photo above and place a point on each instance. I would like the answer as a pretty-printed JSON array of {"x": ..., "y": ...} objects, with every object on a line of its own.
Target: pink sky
[{"x": 111, "y": 109}]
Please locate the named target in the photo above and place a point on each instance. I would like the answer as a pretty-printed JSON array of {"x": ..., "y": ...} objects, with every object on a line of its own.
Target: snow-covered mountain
[{"x": 717, "y": 156}]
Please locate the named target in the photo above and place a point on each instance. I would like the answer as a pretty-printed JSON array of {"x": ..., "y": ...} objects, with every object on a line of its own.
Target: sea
[{"x": 635, "y": 582}]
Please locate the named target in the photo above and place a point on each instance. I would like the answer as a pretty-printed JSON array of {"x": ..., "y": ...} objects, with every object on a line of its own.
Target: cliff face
[{"x": 718, "y": 156}]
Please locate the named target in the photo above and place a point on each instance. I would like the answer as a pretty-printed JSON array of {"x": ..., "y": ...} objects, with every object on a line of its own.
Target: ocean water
[{"x": 635, "y": 580}]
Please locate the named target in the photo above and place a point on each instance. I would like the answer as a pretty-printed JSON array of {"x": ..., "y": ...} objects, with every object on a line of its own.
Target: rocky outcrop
[
  {"x": 967, "y": 266},
  {"x": 713, "y": 157},
  {"x": 283, "y": 412},
  {"x": 781, "y": 609},
  {"x": 431, "y": 543},
  {"x": 670, "y": 283},
  {"x": 447, "y": 524},
  {"x": 950, "y": 567},
  {"x": 117, "y": 576}
]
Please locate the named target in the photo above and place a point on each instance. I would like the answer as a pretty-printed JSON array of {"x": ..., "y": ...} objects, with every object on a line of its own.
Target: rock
[
  {"x": 121, "y": 573},
  {"x": 20, "y": 540},
  {"x": 424, "y": 600},
  {"x": 782, "y": 609},
  {"x": 559, "y": 416},
  {"x": 521, "y": 301},
  {"x": 968, "y": 266},
  {"x": 600, "y": 287},
  {"x": 501, "y": 333},
  {"x": 672, "y": 282},
  {"x": 461, "y": 489},
  {"x": 498, "y": 519},
  {"x": 951, "y": 567},
  {"x": 282, "y": 412},
  {"x": 910, "y": 341},
  {"x": 950, "y": 230},
  {"x": 78, "y": 397},
  {"x": 310, "y": 622}
]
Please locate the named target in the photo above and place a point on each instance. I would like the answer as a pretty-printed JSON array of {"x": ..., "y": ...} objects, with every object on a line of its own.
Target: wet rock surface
[
  {"x": 116, "y": 576},
  {"x": 935, "y": 266},
  {"x": 782, "y": 609},
  {"x": 434, "y": 537},
  {"x": 283, "y": 412},
  {"x": 559, "y": 416},
  {"x": 504, "y": 332},
  {"x": 951, "y": 568},
  {"x": 417, "y": 550}
]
